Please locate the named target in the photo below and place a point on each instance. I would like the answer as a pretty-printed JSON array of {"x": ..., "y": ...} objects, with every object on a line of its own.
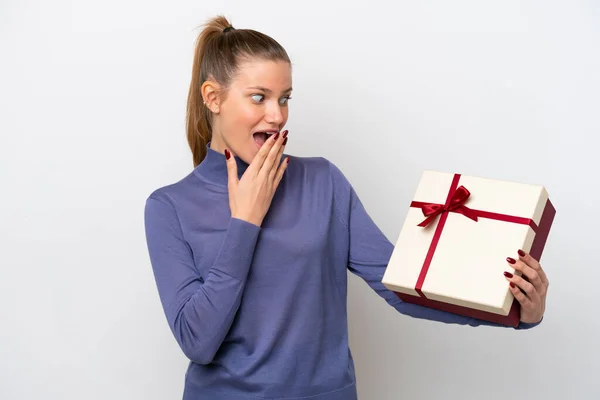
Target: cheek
[
  {"x": 246, "y": 118},
  {"x": 285, "y": 113}
]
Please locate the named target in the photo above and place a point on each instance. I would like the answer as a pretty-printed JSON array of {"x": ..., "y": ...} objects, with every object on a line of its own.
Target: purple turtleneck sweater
[{"x": 261, "y": 311}]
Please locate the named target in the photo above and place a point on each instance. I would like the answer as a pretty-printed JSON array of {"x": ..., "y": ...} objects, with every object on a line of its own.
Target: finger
[
  {"x": 260, "y": 158},
  {"x": 522, "y": 285},
  {"x": 280, "y": 171},
  {"x": 533, "y": 263},
  {"x": 270, "y": 158},
  {"x": 277, "y": 165},
  {"x": 529, "y": 274},
  {"x": 520, "y": 296},
  {"x": 232, "y": 174}
]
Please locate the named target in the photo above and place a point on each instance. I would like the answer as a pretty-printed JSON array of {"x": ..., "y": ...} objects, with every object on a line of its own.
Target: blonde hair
[{"x": 218, "y": 53}]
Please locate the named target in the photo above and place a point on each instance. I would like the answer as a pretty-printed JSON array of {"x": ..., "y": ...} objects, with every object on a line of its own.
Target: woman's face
[{"x": 254, "y": 107}]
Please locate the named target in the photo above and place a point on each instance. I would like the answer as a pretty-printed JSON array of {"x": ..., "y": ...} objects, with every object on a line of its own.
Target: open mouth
[{"x": 261, "y": 137}]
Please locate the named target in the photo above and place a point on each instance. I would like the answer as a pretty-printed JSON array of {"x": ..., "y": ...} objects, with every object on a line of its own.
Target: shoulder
[
  {"x": 321, "y": 173},
  {"x": 171, "y": 192},
  {"x": 316, "y": 167},
  {"x": 166, "y": 206}
]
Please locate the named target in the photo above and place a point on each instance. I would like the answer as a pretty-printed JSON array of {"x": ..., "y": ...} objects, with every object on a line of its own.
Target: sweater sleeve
[
  {"x": 199, "y": 310},
  {"x": 369, "y": 252}
]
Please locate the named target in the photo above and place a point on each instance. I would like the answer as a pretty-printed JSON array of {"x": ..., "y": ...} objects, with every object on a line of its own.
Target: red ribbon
[
  {"x": 456, "y": 204},
  {"x": 457, "y": 196}
]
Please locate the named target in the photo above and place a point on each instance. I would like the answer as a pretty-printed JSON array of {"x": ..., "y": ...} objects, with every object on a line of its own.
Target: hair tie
[{"x": 227, "y": 29}]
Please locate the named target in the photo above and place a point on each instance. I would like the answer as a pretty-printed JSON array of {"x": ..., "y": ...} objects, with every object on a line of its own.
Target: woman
[{"x": 250, "y": 250}]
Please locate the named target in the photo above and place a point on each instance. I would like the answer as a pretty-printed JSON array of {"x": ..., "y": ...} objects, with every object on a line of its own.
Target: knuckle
[
  {"x": 534, "y": 262},
  {"x": 534, "y": 275},
  {"x": 519, "y": 296},
  {"x": 518, "y": 266},
  {"x": 529, "y": 288}
]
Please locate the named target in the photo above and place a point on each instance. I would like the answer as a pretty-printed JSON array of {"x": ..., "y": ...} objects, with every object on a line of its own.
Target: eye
[
  {"x": 260, "y": 96},
  {"x": 285, "y": 100}
]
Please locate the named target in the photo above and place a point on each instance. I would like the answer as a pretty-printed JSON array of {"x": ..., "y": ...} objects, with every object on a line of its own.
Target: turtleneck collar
[{"x": 214, "y": 167}]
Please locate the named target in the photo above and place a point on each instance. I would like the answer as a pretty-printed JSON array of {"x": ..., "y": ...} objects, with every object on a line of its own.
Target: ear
[{"x": 210, "y": 95}]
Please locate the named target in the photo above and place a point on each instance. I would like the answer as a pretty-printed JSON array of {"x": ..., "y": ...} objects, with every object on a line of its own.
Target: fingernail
[
  {"x": 276, "y": 136},
  {"x": 521, "y": 253},
  {"x": 227, "y": 154},
  {"x": 284, "y": 134},
  {"x": 508, "y": 274},
  {"x": 287, "y": 160},
  {"x": 285, "y": 141},
  {"x": 512, "y": 285},
  {"x": 510, "y": 260}
]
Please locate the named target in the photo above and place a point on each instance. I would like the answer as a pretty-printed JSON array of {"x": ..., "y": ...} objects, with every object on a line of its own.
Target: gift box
[{"x": 452, "y": 248}]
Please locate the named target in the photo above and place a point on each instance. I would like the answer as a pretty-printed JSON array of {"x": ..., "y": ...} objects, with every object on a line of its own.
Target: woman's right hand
[{"x": 250, "y": 197}]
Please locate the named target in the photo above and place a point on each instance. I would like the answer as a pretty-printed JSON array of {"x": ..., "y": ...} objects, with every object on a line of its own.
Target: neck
[{"x": 216, "y": 143}]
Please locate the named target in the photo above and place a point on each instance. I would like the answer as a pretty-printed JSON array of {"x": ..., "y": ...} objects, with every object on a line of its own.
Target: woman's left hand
[{"x": 530, "y": 289}]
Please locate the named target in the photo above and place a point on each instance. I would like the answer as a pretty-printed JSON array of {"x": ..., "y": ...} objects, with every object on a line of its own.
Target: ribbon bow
[{"x": 456, "y": 204}]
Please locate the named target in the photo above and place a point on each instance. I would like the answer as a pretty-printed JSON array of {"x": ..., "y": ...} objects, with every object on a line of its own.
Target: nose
[{"x": 274, "y": 114}]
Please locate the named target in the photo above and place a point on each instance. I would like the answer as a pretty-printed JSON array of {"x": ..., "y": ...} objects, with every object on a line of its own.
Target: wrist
[{"x": 247, "y": 218}]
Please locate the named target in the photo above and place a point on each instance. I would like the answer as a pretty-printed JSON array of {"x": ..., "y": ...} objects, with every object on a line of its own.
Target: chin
[
  {"x": 249, "y": 152},
  {"x": 248, "y": 155}
]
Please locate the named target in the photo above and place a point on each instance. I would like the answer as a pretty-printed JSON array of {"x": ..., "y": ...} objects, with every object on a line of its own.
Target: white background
[{"x": 92, "y": 105}]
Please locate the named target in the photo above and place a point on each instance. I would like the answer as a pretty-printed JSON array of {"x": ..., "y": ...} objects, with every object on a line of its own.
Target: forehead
[{"x": 273, "y": 75}]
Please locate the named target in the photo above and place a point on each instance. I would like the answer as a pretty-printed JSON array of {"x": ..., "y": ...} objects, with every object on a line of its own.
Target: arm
[
  {"x": 199, "y": 310},
  {"x": 370, "y": 252}
]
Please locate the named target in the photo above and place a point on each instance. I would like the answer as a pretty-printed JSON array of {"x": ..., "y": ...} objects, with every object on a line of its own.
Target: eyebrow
[{"x": 264, "y": 89}]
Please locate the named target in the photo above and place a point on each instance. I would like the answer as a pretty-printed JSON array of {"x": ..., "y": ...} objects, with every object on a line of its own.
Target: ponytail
[
  {"x": 218, "y": 50},
  {"x": 198, "y": 127}
]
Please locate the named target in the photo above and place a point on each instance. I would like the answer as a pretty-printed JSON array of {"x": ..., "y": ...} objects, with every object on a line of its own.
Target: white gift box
[{"x": 459, "y": 230}]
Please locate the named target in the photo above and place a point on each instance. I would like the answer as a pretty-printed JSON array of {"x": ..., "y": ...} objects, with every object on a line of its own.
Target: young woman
[{"x": 250, "y": 251}]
